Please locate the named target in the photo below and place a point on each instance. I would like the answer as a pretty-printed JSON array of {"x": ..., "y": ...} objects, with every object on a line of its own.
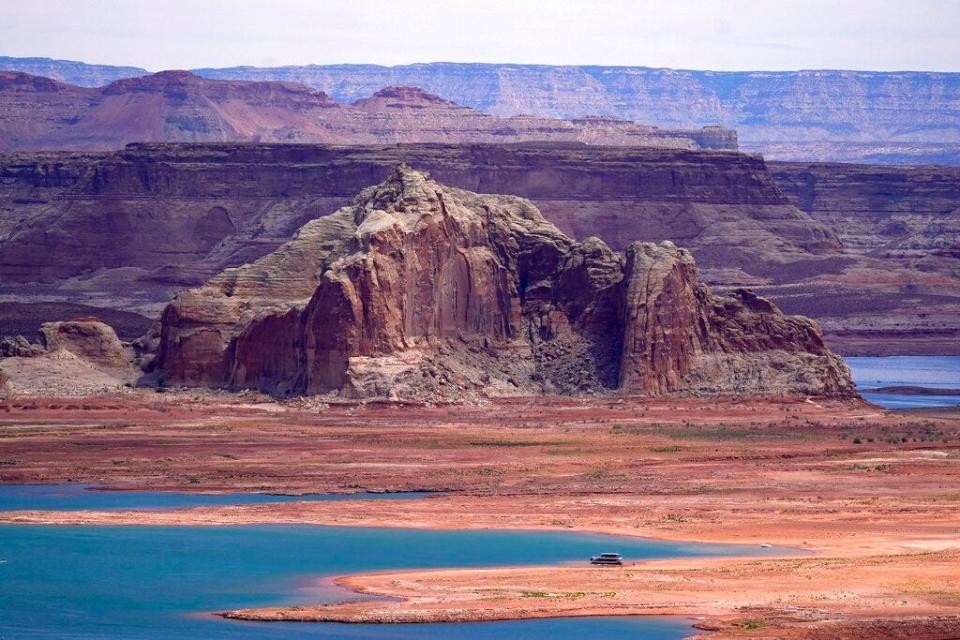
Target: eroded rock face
[
  {"x": 178, "y": 214},
  {"x": 86, "y": 338},
  {"x": 421, "y": 289},
  {"x": 178, "y": 106},
  {"x": 5, "y": 389}
]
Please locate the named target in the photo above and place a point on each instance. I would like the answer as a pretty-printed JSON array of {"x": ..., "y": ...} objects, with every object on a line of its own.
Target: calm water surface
[
  {"x": 77, "y": 497},
  {"x": 934, "y": 372},
  {"x": 140, "y": 583}
]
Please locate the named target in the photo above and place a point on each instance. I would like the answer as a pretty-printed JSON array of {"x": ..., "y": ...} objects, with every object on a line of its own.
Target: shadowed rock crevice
[{"x": 422, "y": 290}]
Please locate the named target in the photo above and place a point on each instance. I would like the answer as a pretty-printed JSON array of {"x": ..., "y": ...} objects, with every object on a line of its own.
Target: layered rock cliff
[
  {"x": 897, "y": 117},
  {"x": 177, "y": 106},
  {"x": 127, "y": 229},
  {"x": 180, "y": 213},
  {"x": 418, "y": 288},
  {"x": 903, "y": 225},
  {"x": 843, "y": 116}
]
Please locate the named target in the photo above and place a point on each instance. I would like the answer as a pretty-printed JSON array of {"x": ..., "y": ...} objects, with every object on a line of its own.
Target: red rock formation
[
  {"x": 5, "y": 390},
  {"x": 86, "y": 338},
  {"x": 418, "y": 288},
  {"x": 177, "y": 106},
  {"x": 130, "y": 228},
  {"x": 840, "y": 116}
]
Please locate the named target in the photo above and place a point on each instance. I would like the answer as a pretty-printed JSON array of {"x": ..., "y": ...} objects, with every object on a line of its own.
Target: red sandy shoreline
[{"x": 871, "y": 494}]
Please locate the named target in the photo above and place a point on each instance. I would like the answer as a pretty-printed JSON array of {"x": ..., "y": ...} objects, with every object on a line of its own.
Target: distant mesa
[
  {"x": 178, "y": 106},
  {"x": 399, "y": 97},
  {"x": 811, "y": 115}
]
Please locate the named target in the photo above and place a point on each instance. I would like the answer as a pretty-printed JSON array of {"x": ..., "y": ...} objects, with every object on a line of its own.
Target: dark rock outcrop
[
  {"x": 421, "y": 289},
  {"x": 19, "y": 347}
]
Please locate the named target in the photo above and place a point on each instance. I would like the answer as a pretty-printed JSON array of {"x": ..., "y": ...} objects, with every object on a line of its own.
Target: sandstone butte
[
  {"x": 870, "y": 252},
  {"x": 418, "y": 289}
]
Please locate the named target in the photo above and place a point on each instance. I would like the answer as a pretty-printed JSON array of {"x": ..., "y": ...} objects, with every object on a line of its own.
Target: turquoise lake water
[
  {"x": 140, "y": 583},
  {"x": 75, "y": 497},
  {"x": 935, "y": 372}
]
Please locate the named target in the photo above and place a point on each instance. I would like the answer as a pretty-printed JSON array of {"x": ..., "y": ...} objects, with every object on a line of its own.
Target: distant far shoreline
[{"x": 915, "y": 391}]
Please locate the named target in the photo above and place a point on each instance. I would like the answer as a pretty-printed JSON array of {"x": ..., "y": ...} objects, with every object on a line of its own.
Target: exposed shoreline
[{"x": 866, "y": 497}]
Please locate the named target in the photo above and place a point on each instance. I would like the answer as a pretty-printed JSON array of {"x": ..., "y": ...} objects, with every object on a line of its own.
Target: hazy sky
[{"x": 699, "y": 34}]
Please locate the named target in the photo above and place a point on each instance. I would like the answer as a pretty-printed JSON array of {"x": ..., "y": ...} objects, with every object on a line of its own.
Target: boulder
[
  {"x": 18, "y": 347},
  {"x": 86, "y": 338}
]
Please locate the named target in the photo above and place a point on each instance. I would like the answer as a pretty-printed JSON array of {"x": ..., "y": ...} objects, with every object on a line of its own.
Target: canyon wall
[
  {"x": 70, "y": 71},
  {"x": 905, "y": 221},
  {"x": 128, "y": 229},
  {"x": 177, "y": 106},
  {"x": 896, "y": 117},
  {"x": 420, "y": 290},
  {"x": 180, "y": 213}
]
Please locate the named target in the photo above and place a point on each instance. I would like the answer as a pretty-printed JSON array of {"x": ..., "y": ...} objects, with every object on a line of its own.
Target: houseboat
[{"x": 607, "y": 559}]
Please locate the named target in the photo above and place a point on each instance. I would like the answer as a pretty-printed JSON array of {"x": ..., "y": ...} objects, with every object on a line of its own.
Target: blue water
[
  {"x": 75, "y": 497},
  {"x": 139, "y": 583},
  {"x": 935, "y": 372}
]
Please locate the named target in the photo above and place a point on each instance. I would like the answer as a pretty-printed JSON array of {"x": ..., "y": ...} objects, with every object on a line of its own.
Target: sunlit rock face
[{"x": 422, "y": 290}]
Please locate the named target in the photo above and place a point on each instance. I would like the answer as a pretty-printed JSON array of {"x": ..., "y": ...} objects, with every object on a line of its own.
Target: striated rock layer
[
  {"x": 177, "y": 106},
  {"x": 422, "y": 289},
  {"x": 838, "y": 115},
  {"x": 182, "y": 212},
  {"x": 875, "y": 261},
  {"x": 903, "y": 226}
]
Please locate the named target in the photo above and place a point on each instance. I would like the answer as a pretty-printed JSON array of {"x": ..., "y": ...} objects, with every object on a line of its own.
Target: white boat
[{"x": 607, "y": 559}]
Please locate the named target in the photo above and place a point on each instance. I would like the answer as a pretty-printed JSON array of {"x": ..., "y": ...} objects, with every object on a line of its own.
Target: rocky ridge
[
  {"x": 825, "y": 115},
  {"x": 866, "y": 116},
  {"x": 128, "y": 229},
  {"x": 418, "y": 288},
  {"x": 178, "y": 106}
]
